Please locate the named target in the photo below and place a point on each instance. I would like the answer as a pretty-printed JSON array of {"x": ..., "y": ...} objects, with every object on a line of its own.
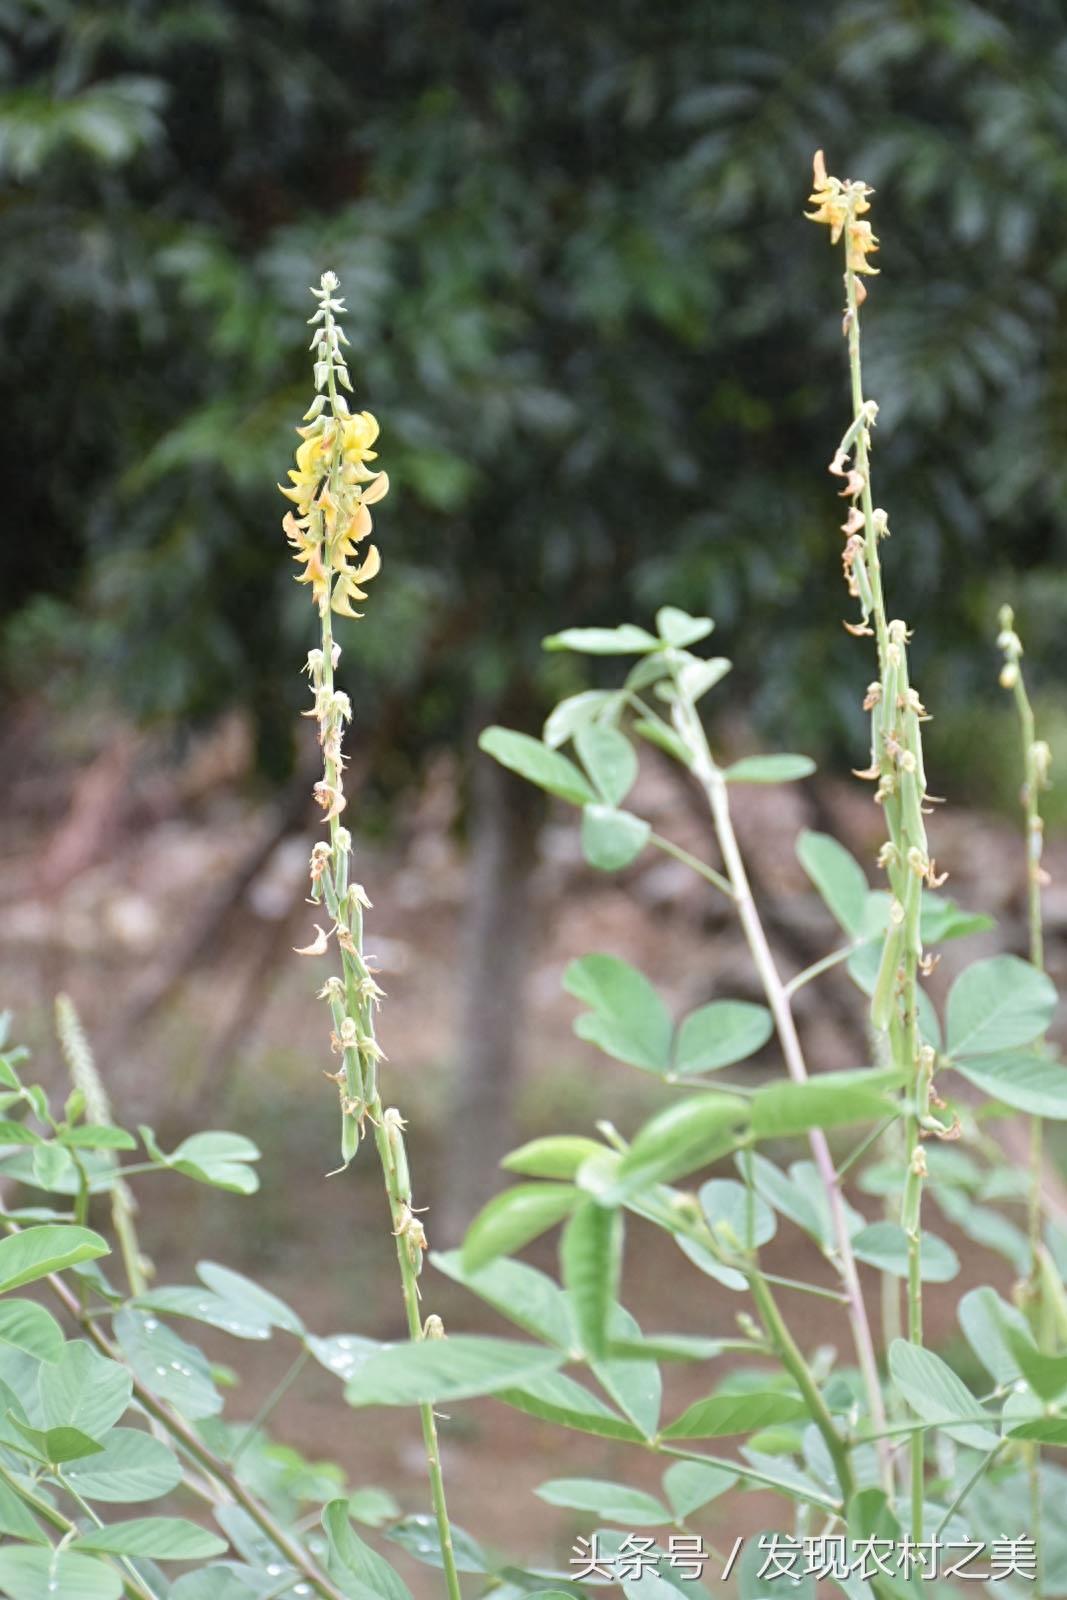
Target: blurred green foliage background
[{"x": 603, "y": 345}]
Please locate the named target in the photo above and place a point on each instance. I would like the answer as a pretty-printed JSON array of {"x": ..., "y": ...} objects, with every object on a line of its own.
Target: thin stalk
[
  {"x": 714, "y": 785},
  {"x": 806, "y": 1288},
  {"x": 865, "y": 1144},
  {"x": 276, "y": 1396},
  {"x": 694, "y": 862},
  {"x": 747, "y": 1474},
  {"x": 1035, "y": 761},
  {"x": 817, "y": 968},
  {"x": 896, "y": 763},
  {"x": 792, "y": 1359},
  {"x": 979, "y": 1472},
  {"x": 354, "y": 996}
]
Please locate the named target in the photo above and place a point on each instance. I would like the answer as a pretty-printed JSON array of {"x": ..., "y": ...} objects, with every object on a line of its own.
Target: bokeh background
[{"x": 605, "y": 351}]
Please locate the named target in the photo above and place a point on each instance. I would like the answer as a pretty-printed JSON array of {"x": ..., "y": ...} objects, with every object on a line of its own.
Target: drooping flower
[{"x": 839, "y": 204}]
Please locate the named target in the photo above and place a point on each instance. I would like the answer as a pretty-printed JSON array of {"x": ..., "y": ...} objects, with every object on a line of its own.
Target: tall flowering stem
[
  {"x": 332, "y": 488},
  {"x": 896, "y": 765},
  {"x": 1037, "y": 759}
]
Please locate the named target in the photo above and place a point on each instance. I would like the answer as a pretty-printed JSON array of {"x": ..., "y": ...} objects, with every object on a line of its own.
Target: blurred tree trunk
[{"x": 505, "y": 824}]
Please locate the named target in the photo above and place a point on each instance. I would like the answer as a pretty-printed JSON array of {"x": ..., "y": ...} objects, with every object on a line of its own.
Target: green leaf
[
  {"x": 838, "y": 877},
  {"x": 628, "y": 1019},
  {"x": 83, "y": 1390},
  {"x": 527, "y": 1297},
  {"x": 131, "y": 1466},
  {"x": 53, "y": 1168},
  {"x": 57, "y": 1445},
  {"x": 697, "y": 676},
  {"x": 1022, "y": 1079},
  {"x": 942, "y": 919},
  {"x": 626, "y": 640},
  {"x": 575, "y": 712},
  {"x": 609, "y": 758},
  {"x": 986, "y": 1227},
  {"x": 158, "y": 1538},
  {"x": 996, "y": 1005},
  {"x": 676, "y": 627},
  {"x": 214, "y": 1583},
  {"x": 885, "y": 1245},
  {"x": 353, "y": 1557},
  {"x": 723, "y": 1414},
  {"x": 719, "y": 1034},
  {"x": 769, "y": 769},
  {"x": 18, "y": 1133},
  {"x": 635, "y": 1386},
  {"x": 436, "y": 1370},
  {"x": 613, "y": 1502},
  {"x": 26, "y": 1326},
  {"x": 938, "y": 1396},
  {"x": 612, "y": 839},
  {"x": 219, "y": 1159},
  {"x": 200, "y": 1304},
  {"x": 591, "y": 1260},
  {"x": 986, "y": 1321},
  {"x": 555, "y": 1156},
  {"x": 250, "y": 1297},
  {"x": 1041, "y": 1430},
  {"x": 788, "y": 1196},
  {"x": 553, "y": 1397},
  {"x": 28, "y": 1572},
  {"x": 1046, "y": 1374},
  {"x": 689, "y": 1134},
  {"x": 418, "y": 1535},
  {"x": 689, "y": 1485},
  {"x": 53, "y": 1247},
  {"x": 514, "y": 1217},
  {"x": 830, "y": 1100},
  {"x": 168, "y": 1367},
  {"x": 535, "y": 762},
  {"x": 16, "y": 1520},
  {"x": 664, "y": 738},
  {"x": 373, "y": 1507},
  {"x": 96, "y": 1136},
  {"x": 726, "y": 1205},
  {"x": 754, "y": 1556}
]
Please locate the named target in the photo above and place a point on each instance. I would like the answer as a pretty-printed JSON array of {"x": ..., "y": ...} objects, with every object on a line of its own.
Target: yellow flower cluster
[
  {"x": 333, "y": 490},
  {"x": 839, "y": 206}
]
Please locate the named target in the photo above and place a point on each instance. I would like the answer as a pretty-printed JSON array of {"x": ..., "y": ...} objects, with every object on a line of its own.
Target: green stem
[
  {"x": 691, "y": 730},
  {"x": 902, "y": 790},
  {"x": 817, "y": 968},
  {"x": 694, "y": 862},
  {"x": 793, "y": 1360},
  {"x": 979, "y": 1472},
  {"x": 276, "y": 1396},
  {"x": 362, "y": 1099},
  {"x": 1032, "y": 781},
  {"x": 747, "y": 1474}
]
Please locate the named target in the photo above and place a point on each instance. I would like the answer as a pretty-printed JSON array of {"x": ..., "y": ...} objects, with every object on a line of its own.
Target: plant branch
[{"x": 691, "y": 730}]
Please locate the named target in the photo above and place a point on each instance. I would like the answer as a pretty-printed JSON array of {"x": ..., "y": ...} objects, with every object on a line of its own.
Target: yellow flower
[
  {"x": 333, "y": 488},
  {"x": 861, "y": 244},
  {"x": 838, "y": 205}
]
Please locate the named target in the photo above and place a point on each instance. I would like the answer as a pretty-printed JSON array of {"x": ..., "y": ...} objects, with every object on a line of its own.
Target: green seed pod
[{"x": 885, "y": 989}]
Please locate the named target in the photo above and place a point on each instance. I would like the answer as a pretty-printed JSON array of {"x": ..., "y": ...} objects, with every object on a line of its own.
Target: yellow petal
[{"x": 377, "y": 489}]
